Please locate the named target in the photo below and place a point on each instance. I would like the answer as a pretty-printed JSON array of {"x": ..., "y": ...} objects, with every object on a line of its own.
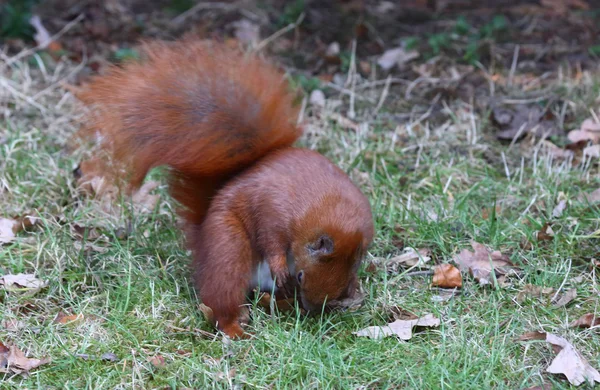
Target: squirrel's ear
[{"x": 321, "y": 246}]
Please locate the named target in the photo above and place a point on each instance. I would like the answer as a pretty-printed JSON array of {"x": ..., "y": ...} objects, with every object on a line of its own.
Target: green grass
[{"x": 138, "y": 302}]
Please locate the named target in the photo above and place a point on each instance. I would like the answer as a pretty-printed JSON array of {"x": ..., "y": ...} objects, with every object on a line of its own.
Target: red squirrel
[{"x": 258, "y": 211}]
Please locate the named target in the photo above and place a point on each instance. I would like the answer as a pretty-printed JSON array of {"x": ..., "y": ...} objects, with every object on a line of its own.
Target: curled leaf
[
  {"x": 446, "y": 276},
  {"x": 586, "y": 321}
]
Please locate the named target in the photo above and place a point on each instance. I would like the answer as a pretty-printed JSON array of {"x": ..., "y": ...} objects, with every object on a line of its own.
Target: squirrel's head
[{"x": 325, "y": 265}]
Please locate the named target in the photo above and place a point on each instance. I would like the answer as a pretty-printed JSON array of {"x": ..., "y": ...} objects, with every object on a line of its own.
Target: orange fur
[{"x": 225, "y": 124}]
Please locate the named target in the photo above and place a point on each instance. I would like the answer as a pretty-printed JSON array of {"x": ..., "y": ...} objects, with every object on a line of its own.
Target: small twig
[
  {"x": 279, "y": 33},
  {"x": 376, "y": 83},
  {"x": 384, "y": 94},
  {"x": 513, "y": 66},
  {"x": 528, "y": 207},
  {"x": 346, "y": 91},
  {"x": 517, "y": 135},
  {"x": 525, "y": 101},
  {"x": 506, "y": 170},
  {"x": 352, "y": 79},
  {"x": 417, "y": 81},
  {"x": 302, "y": 110},
  {"x": 200, "y": 6}
]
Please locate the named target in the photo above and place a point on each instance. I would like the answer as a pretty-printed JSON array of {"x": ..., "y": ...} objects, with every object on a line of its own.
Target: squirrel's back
[{"x": 202, "y": 109}]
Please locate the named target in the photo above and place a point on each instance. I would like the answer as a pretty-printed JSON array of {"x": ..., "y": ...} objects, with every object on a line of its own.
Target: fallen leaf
[
  {"x": 13, "y": 324},
  {"x": 8, "y": 228},
  {"x": 446, "y": 276},
  {"x": 349, "y": 304},
  {"x": 568, "y": 361},
  {"x": 22, "y": 283},
  {"x": 90, "y": 233},
  {"x": 586, "y": 321},
  {"x": 400, "y": 328},
  {"x": 545, "y": 233},
  {"x": 559, "y": 209},
  {"x": 589, "y": 131},
  {"x": 88, "y": 246},
  {"x": 109, "y": 356},
  {"x": 592, "y": 197},
  {"x": 399, "y": 313},
  {"x": 530, "y": 290},
  {"x": 396, "y": 57},
  {"x": 62, "y": 318},
  {"x": 13, "y": 360},
  {"x": 411, "y": 257},
  {"x": 566, "y": 298},
  {"x": 480, "y": 263},
  {"x": 157, "y": 361},
  {"x": 592, "y": 151},
  {"x": 517, "y": 121}
]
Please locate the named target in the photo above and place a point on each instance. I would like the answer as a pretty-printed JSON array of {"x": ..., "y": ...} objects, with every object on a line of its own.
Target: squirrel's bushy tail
[{"x": 202, "y": 109}]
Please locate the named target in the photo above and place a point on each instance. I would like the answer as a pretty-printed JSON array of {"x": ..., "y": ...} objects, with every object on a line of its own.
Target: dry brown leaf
[
  {"x": 8, "y": 230},
  {"x": 13, "y": 324},
  {"x": 446, "y": 276},
  {"x": 546, "y": 233},
  {"x": 530, "y": 290},
  {"x": 411, "y": 257},
  {"x": 399, "y": 313},
  {"x": 88, "y": 246},
  {"x": 568, "y": 361},
  {"x": 27, "y": 283},
  {"x": 566, "y": 298},
  {"x": 157, "y": 361},
  {"x": 586, "y": 321},
  {"x": 480, "y": 262},
  {"x": 63, "y": 318},
  {"x": 590, "y": 130},
  {"x": 400, "y": 328},
  {"x": 14, "y": 361},
  {"x": 396, "y": 57},
  {"x": 515, "y": 122},
  {"x": 90, "y": 233},
  {"x": 350, "y": 304}
]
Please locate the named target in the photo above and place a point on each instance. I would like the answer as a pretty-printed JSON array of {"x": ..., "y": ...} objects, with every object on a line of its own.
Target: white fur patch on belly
[{"x": 262, "y": 279}]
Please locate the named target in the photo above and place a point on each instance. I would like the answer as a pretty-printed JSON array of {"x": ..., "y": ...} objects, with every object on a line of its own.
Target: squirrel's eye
[{"x": 299, "y": 276}]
